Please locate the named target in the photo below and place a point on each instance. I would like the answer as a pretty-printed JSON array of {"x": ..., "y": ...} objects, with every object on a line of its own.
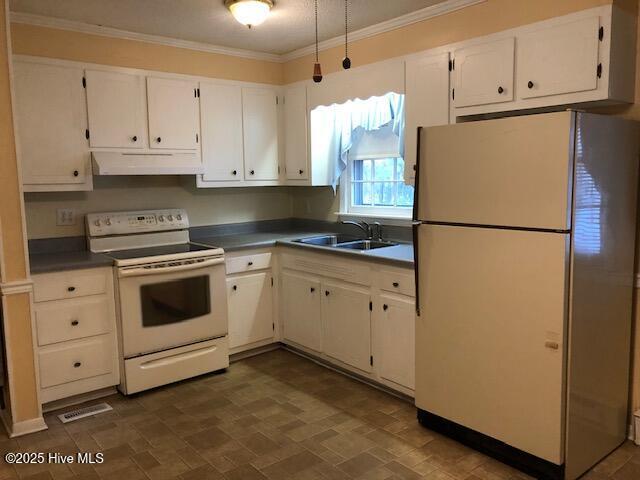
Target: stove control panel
[{"x": 126, "y": 223}]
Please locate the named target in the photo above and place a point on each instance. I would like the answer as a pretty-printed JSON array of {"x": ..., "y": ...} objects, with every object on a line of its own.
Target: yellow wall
[
  {"x": 16, "y": 308},
  {"x": 82, "y": 47}
]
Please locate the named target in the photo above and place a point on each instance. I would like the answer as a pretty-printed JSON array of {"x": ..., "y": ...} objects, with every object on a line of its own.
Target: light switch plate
[{"x": 65, "y": 217}]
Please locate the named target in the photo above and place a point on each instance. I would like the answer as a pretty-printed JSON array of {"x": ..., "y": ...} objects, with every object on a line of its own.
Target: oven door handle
[{"x": 138, "y": 271}]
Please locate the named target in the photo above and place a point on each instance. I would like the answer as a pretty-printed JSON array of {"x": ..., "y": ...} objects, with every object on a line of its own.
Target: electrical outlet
[{"x": 65, "y": 217}]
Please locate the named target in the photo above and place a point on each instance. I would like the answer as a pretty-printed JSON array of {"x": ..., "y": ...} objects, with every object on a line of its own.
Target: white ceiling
[{"x": 289, "y": 27}]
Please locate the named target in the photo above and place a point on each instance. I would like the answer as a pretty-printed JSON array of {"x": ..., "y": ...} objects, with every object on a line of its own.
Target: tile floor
[{"x": 274, "y": 416}]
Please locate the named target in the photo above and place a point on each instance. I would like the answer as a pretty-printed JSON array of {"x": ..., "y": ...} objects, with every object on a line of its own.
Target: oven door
[{"x": 169, "y": 304}]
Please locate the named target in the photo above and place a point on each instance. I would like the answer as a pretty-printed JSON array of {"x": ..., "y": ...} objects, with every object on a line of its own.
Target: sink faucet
[
  {"x": 378, "y": 227},
  {"x": 362, "y": 225}
]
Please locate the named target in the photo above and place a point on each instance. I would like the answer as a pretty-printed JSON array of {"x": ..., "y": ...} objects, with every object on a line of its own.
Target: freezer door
[
  {"x": 509, "y": 172},
  {"x": 490, "y": 339}
]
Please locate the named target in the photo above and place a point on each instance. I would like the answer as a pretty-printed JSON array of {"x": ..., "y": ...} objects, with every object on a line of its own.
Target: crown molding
[
  {"x": 443, "y": 8},
  {"x": 62, "y": 24},
  {"x": 432, "y": 11}
]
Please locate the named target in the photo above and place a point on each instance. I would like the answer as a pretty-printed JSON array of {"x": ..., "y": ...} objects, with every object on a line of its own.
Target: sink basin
[
  {"x": 366, "y": 244},
  {"x": 327, "y": 240}
]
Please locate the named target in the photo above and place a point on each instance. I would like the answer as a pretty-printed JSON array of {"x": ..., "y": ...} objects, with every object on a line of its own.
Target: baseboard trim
[
  {"x": 523, "y": 461},
  {"x": 24, "y": 427},
  {"x": 78, "y": 399}
]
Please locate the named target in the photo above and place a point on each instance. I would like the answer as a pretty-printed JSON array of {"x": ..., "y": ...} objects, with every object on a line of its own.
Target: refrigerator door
[
  {"x": 490, "y": 339},
  {"x": 508, "y": 172}
]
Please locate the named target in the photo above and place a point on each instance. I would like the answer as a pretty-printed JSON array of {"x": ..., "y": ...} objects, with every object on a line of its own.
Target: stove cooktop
[{"x": 161, "y": 251}]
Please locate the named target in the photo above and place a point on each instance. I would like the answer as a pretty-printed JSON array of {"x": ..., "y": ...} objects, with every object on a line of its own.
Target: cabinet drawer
[
  {"x": 72, "y": 319},
  {"x": 247, "y": 263},
  {"x": 403, "y": 283},
  {"x": 72, "y": 361},
  {"x": 62, "y": 285}
]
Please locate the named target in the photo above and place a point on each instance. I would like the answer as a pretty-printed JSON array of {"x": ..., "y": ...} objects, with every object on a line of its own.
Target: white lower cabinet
[
  {"x": 394, "y": 333},
  {"x": 75, "y": 324},
  {"x": 250, "y": 305},
  {"x": 346, "y": 320},
  {"x": 302, "y": 322}
]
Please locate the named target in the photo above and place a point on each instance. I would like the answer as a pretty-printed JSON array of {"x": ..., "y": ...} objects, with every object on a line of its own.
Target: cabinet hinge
[
  {"x": 600, "y": 33},
  {"x": 453, "y": 94},
  {"x": 371, "y": 360},
  {"x": 195, "y": 93},
  {"x": 197, "y": 138},
  {"x": 276, "y": 100},
  {"x": 198, "y": 92},
  {"x": 84, "y": 82},
  {"x": 599, "y": 70},
  {"x": 450, "y": 65},
  {"x": 273, "y": 327},
  {"x": 278, "y": 169},
  {"x": 272, "y": 281},
  {"x": 86, "y": 134},
  {"x": 371, "y": 306}
]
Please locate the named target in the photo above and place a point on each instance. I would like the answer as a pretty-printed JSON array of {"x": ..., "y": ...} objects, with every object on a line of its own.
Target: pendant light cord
[
  {"x": 316, "y": 12},
  {"x": 346, "y": 28}
]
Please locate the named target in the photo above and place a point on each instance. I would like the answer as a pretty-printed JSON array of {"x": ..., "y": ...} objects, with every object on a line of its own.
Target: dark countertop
[
  {"x": 400, "y": 255},
  {"x": 60, "y": 261}
]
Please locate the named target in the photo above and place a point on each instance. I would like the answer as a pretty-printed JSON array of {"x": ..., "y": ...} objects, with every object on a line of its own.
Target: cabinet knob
[
  {"x": 396, "y": 284},
  {"x": 76, "y": 173},
  {"x": 530, "y": 84},
  {"x": 235, "y": 172},
  {"x": 301, "y": 172},
  {"x": 71, "y": 289},
  {"x": 385, "y": 307},
  {"x": 252, "y": 172},
  {"x": 312, "y": 289},
  {"x": 500, "y": 90},
  {"x": 250, "y": 264},
  {"x": 326, "y": 292},
  {"x": 159, "y": 139},
  {"x": 75, "y": 323},
  {"x": 77, "y": 364},
  {"x": 235, "y": 287},
  {"x": 134, "y": 138}
]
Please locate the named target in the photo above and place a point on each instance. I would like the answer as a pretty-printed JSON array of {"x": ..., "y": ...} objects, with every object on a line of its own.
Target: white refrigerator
[{"x": 524, "y": 234}]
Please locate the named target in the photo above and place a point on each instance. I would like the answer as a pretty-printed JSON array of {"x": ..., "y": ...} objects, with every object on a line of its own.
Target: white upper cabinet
[
  {"x": 483, "y": 73},
  {"x": 295, "y": 132},
  {"x": 52, "y": 127},
  {"x": 559, "y": 59},
  {"x": 426, "y": 101},
  {"x": 173, "y": 113},
  {"x": 221, "y": 125},
  {"x": 260, "y": 120},
  {"x": 115, "y": 103}
]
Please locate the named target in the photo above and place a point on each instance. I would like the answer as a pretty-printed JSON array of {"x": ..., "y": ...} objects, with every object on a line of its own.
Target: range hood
[{"x": 114, "y": 163}]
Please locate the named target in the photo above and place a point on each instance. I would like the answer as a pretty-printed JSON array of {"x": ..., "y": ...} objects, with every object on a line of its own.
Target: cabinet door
[
  {"x": 260, "y": 119},
  {"x": 559, "y": 59},
  {"x": 250, "y": 309},
  {"x": 52, "y": 121},
  {"x": 221, "y": 123},
  {"x": 346, "y": 320},
  {"x": 483, "y": 74},
  {"x": 394, "y": 333},
  {"x": 173, "y": 113},
  {"x": 295, "y": 121},
  {"x": 301, "y": 308},
  {"x": 115, "y": 102},
  {"x": 426, "y": 100}
]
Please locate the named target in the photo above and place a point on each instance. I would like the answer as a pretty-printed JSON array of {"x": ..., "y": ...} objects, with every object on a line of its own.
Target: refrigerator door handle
[
  {"x": 416, "y": 264},
  {"x": 416, "y": 187}
]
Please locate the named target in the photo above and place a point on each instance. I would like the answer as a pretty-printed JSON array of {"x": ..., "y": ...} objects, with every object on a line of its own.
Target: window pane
[
  {"x": 405, "y": 195},
  {"x": 362, "y": 169},
  {"x": 400, "y": 169},
  {"x": 384, "y": 169},
  {"x": 361, "y": 194},
  {"x": 383, "y": 194}
]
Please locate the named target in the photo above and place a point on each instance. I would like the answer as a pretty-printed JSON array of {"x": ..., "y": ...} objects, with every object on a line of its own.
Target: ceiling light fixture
[{"x": 249, "y": 12}]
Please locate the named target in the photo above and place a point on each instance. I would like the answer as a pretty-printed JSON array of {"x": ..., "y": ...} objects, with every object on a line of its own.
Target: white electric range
[{"x": 170, "y": 296}]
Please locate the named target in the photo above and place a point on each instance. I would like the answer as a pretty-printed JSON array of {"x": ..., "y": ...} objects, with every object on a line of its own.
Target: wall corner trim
[{"x": 16, "y": 287}]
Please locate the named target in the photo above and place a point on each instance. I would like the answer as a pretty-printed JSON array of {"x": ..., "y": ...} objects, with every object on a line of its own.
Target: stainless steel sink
[
  {"x": 327, "y": 240},
  {"x": 366, "y": 244}
]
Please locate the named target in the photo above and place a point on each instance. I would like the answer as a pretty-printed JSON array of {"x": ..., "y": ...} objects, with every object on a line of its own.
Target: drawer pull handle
[
  {"x": 385, "y": 307},
  {"x": 312, "y": 289},
  {"x": 500, "y": 90},
  {"x": 159, "y": 139},
  {"x": 71, "y": 289},
  {"x": 326, "y": 292},
  {"x": 235, "y": 287},
  {"x": 77, "y": 365},
  {"x": 396, "y": 284},
  {"x": 75, "y": 323},
  {"x": 134, "y": 138},
  {"x": 530, "y": 84},
  {"x": 250, "y": 263}
]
